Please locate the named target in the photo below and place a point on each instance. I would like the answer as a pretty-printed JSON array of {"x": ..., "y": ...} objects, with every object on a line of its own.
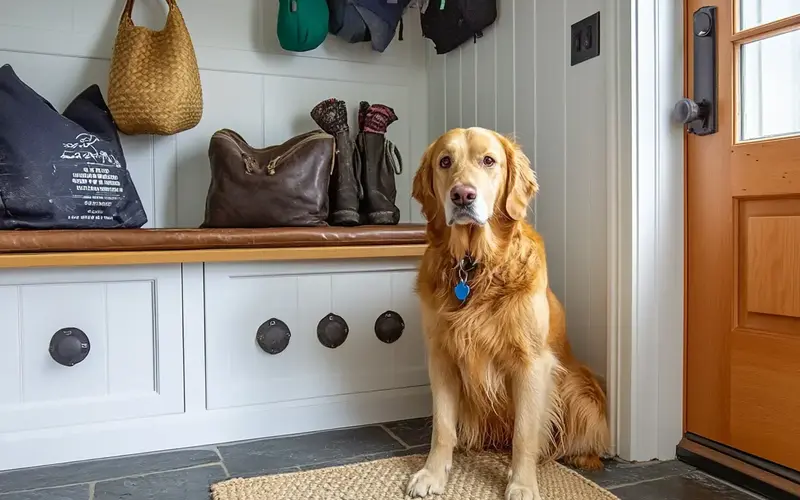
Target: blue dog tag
[{"x": 462, "y": 291}]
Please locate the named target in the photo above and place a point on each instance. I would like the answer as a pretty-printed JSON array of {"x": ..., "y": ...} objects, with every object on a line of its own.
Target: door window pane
[
  {"x": 754, "y": 13},
  {"x": 770, "y": 87}
]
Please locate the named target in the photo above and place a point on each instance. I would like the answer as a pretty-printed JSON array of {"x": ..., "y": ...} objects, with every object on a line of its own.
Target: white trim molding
[{"x": 646, "y": 228}]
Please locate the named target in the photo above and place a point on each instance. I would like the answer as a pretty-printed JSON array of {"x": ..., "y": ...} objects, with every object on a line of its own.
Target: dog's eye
[
  {"x": 488, "y": 161},
  {"x": 445, "y": 162}
]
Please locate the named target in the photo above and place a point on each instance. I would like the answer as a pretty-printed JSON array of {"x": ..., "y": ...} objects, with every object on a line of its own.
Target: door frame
[{"x": 646, "y": 162}]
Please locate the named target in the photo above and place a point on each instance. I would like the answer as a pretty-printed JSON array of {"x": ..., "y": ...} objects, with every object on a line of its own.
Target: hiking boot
[
  {"x": 345, "y": 191},
  {"x": 379, "y": 161}
]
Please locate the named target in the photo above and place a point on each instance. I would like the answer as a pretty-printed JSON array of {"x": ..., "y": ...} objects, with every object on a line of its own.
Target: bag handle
[
  {"x": 390, "y": 153},
  {"x": 127, "y": 11}
]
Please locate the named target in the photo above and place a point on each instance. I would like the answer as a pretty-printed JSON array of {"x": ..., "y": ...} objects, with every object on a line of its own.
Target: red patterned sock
[{"x": 378, "y": 118}]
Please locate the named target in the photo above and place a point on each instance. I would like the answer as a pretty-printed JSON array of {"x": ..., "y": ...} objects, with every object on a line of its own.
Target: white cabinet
[
  {"x": 173, "y": 359},
  {"x": 241, "y": 297},
  {"x": 132, "y": 318}
]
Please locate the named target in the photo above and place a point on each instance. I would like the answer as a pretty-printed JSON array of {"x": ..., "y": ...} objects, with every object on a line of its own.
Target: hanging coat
[{"x": 375, "y": 21}]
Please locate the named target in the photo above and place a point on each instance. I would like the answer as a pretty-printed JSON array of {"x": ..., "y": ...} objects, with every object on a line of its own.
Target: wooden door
[{"x": 742, "y": 379}]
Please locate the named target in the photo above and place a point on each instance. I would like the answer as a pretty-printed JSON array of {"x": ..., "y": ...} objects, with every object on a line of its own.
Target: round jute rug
[{"x": 474, "y": 477}]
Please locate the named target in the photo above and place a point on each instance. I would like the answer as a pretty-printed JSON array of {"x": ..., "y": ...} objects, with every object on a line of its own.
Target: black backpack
[{"x": 449, "y": 23}]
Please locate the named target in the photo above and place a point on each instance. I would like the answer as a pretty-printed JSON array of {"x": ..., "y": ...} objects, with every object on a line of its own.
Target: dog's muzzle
[{"x": 464, "y": 206}]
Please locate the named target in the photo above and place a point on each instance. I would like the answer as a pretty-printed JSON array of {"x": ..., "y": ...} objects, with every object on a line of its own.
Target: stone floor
[{"x": 187, "y": 474}]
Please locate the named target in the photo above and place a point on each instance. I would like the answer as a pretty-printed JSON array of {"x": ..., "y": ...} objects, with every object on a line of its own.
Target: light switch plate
[{"x": 585, "y": 39}]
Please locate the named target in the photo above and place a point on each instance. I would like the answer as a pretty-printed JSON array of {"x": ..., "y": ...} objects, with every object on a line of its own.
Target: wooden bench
[{"x": 63, "y": 248}]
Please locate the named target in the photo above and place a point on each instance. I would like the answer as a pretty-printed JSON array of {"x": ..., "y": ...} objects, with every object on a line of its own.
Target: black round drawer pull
[
  {"x": 332, "y": 331},
  {"x": 273, "y": 336},
  {"x": 389, "y": 327},
  {"x": 69, "y": 346}
]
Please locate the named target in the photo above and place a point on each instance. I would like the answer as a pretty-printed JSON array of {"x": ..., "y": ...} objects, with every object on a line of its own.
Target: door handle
[
  {"x": 700, "y": 113},
  {"x": 687, "y": 111}
]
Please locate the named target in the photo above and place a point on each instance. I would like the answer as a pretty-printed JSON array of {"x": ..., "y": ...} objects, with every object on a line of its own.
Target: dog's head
[{"x": 469, "y": 177}]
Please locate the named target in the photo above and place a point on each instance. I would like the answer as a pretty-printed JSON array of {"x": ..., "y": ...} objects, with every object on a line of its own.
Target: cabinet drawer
[
  {"x": 241, "y": 298},
  {"x": 128, "y": 318}
]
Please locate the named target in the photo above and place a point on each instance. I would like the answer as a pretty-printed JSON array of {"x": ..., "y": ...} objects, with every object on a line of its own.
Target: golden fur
[{"x": 501, "y": 368}]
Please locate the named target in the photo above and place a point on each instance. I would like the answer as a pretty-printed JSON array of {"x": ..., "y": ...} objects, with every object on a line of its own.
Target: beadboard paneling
[{"x": 518, "y": 81}]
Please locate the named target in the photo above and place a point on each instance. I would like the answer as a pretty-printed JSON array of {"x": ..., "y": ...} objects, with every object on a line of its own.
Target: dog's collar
[
  {"x": 465, "y": 268},
  {"x": 467, "y": 263}
]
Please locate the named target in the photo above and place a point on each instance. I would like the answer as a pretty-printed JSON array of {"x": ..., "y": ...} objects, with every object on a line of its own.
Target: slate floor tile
[
  {"x": 618, "y": 473},
  {"x": 270, "y": 455},
  {"x": 366, "y": 458},
  {"x": 691, "y": 486},
  {"x": 186, "y": 484},
  {"x": 77, "y": 492},
  {"x": 416, "y": 432},
  {"x": 97, "y": 470},
  {"x": 187, "y": 474}
]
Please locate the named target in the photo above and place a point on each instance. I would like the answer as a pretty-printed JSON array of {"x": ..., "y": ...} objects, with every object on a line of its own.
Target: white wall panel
[
  {"x": 232, "y": 100},
  {"x": 59, "y": 47}
]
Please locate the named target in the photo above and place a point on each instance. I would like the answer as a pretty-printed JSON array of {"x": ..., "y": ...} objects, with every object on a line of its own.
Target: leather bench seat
[{"x": 91, "y": 240}]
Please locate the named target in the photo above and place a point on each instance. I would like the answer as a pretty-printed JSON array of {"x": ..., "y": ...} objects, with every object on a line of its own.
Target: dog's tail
[{"x": 584, "y": 419}]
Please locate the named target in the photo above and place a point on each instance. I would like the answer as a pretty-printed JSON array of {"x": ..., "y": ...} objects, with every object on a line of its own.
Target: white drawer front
[
  {"x": 241, "y": 297},
  {"x": 133, "y": 321}
]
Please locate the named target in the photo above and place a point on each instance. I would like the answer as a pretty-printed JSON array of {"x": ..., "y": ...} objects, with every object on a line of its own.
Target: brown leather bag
[{"x": 279, "y": 186}]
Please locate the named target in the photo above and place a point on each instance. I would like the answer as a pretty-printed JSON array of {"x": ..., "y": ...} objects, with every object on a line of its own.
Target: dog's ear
[
  {"x": 521, "y": 185},
  {"x": 422, "y": 187}
]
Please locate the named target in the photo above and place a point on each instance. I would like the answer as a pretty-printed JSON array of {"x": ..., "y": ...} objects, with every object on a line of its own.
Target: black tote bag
[{"x": 62, "y": 171}]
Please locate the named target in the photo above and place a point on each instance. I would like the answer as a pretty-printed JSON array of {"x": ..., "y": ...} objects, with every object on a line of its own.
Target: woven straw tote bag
[{"x": 154, "y": 82}]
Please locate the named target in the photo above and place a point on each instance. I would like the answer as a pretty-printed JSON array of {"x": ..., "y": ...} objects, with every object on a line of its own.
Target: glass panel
[
  {"x": 754, "y": 13},
  {"x": 770, "y": 87}
]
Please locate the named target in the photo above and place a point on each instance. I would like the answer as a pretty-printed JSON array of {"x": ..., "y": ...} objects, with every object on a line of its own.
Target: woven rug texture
[{"x": 473, "y": 477}]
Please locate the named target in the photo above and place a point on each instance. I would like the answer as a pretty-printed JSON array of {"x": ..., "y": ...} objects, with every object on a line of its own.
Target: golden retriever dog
[{"x": 501, "y": 369}]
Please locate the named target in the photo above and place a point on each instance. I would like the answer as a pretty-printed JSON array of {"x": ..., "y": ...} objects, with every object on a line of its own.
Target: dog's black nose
[{"x": 462, "y": 195}]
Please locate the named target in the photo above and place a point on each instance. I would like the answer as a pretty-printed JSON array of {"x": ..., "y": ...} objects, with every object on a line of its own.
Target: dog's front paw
[
  {"x": 426, "y": 482},
  {"x": 516, "y": 491}
]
